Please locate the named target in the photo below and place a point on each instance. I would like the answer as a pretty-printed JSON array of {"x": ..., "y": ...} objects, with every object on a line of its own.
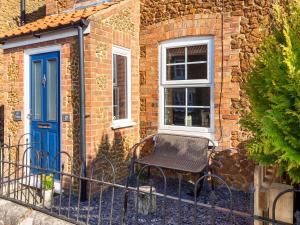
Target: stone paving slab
[
  {"x": 14, "y": 214},
  {"x": 38, "y": 218}
]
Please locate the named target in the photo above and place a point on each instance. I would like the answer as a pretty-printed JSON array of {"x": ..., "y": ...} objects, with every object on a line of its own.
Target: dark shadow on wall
[
  {"x": 31, "y": 16},
  {"x": 37, "y": 14},
  {"x": 116, "y": 150},
  {"x": 110, "y": 164}
]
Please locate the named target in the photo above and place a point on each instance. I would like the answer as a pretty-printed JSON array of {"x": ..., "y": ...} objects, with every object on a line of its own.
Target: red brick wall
[{"x": 117, "y": 26}]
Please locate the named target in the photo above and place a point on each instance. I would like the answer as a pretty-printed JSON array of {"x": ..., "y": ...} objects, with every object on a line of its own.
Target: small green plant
[
  {"x": 273, "y": 89},
  {"x": 47, "y": 182}
]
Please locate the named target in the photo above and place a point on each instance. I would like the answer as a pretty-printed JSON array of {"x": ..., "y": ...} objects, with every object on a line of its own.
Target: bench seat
[{"x": 176, "y": 152}]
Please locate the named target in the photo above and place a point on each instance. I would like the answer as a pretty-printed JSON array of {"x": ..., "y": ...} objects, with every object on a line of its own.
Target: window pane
[
  {"x": 37, "y": 92},
  {"x": 197, "y": 53},
  {"x": 176, "y": 72},
  {"x": 116, "y": 101},
  {"x": 197, "y": 71},
  {"x": 175, "y": 96},
  {"x": 52, "y": 89},
  {"x": 198, "y": 117},
  {"x": 199, "y": 96},
  {"x": 175, "y": 116},
  {"x": 175, "y": 55},
  {"x": 120, "y": 87}
]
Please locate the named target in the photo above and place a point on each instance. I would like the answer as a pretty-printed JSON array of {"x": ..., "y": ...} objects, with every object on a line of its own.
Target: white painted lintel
[{"x": 50, "y": 36}]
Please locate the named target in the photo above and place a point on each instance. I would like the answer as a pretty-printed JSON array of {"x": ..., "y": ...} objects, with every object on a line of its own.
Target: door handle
[{"x": 44, "y": 80}]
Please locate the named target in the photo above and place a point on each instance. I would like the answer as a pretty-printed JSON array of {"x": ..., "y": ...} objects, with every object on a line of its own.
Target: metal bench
[{"x": 176, "y": 152}]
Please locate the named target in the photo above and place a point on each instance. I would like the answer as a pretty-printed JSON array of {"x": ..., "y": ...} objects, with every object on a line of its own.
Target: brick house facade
[
  {"x": 225, "y": 35},
  {"x": 117, "y": 25}
]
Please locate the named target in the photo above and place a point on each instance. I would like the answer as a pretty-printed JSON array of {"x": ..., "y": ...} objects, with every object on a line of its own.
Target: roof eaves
[{"x": 37, "y": 34}]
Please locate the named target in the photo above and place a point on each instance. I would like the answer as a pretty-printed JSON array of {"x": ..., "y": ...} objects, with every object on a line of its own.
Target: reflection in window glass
[
  {"x": 197, "y": 53},
  {"x": 176, "y": 72},
  {"x": 197, "y": 117},
  {"x": 175, "y": 55},
  {"x": 197, "y": 71},
  {"x": 175, "y": 116},
  {"x": 175, "y": 96},
  {"x": 187, "y": 63},
  {"x": 119, "y": 87},
  {"x": 52, "y": 89},
  {"x": 37, "y": 92},
  {"x": 196, "y": 113},
  {"x": 199, "y": 96}
]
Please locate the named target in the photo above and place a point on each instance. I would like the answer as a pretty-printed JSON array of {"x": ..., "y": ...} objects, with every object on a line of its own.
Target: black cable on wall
[{"x": 222, "y": 72}]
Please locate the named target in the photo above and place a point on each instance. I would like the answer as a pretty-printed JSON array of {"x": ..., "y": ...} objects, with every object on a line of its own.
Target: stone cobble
[{"x": 241, "y": 202}]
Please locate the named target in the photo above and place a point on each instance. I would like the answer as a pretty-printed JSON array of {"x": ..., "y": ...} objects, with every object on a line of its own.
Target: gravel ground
[{"x": 241, "y": 202}]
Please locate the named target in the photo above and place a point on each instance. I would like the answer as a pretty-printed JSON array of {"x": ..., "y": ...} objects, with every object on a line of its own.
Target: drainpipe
[
  {"x": 23, "y": 12},
  {"x": 82, "y": 108}
]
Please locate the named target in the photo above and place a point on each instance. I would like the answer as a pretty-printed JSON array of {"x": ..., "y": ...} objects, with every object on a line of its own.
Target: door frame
[{"x": 27, "y": 84}]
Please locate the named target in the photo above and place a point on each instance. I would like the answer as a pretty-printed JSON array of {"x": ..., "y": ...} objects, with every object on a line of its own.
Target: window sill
[
  {"x": 209, "y": 135},
  {"x": 122, "y": 124}
]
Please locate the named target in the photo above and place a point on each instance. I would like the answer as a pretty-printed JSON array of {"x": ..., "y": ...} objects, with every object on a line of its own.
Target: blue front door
[{"x": 45, "y": 110}]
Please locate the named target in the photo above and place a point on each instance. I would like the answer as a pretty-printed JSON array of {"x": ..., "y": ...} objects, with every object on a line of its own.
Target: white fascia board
[{"x": 50, "y": 36}]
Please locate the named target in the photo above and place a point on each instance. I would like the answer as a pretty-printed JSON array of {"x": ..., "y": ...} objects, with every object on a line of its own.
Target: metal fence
[{"x": 27, "y": 178}]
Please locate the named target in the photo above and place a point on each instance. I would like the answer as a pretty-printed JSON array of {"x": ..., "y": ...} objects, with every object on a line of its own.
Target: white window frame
[
  {"x": 116, "y": 124},
  {"x": 164, "y": 83}
]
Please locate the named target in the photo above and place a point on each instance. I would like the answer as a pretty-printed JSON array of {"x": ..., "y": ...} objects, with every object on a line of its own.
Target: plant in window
[{"x": 273, "y": 88}]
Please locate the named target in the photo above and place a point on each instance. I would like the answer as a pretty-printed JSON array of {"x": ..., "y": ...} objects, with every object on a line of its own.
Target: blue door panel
[
  {"x": 45, "y": 109},
  {"x": 37, "y": 146},
  {"x": 53, "y": 143}
]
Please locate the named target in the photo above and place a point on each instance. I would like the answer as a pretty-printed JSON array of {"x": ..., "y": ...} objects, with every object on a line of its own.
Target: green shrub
[{"x": 273, "y": 89}]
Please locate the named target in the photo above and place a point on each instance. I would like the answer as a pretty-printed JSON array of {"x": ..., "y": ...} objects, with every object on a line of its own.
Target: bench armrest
[
  {"x": 211, "y": 154},
  {"x": 132, "y": 151},
  {"x": 212, "y": 150}
]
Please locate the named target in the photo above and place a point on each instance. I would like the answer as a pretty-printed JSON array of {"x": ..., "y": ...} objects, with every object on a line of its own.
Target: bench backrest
[{"x": 188, "y": 148}]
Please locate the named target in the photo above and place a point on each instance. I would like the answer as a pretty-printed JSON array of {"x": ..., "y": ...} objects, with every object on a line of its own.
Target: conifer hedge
[{"x": 273, "y": 89}]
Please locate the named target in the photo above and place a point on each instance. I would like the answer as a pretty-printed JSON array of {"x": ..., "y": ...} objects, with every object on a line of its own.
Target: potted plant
[
  {"x": 47, "y": 188},
  {"x": 273, "y": 91}
]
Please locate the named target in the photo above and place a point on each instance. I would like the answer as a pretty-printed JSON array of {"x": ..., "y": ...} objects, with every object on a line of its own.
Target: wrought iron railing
[{"x": 27, "y": 178}]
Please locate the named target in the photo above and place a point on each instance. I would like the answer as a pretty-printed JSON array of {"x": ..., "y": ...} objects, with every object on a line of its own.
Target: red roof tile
[{"x": 55, "y": 21}]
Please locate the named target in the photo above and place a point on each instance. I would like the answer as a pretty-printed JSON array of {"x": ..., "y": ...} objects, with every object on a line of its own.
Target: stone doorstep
[{"x": 14, "y": 214}]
